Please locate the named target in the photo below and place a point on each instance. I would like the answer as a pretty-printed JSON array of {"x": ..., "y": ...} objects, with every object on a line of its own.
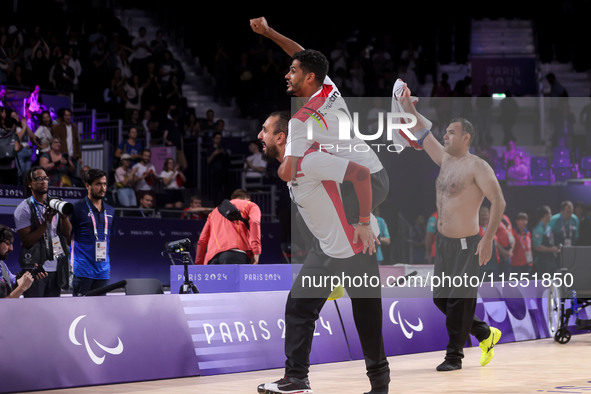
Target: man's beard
[
  {"x": 96, "y": 196},
  {"x": 270, "y": 153}
]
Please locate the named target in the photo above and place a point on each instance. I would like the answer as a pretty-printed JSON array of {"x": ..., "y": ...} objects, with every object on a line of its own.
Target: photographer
[
  {"x": 10, "y": 286},
  {"x": 92, "y": 226},
  {"x": 43, "y": 232}
]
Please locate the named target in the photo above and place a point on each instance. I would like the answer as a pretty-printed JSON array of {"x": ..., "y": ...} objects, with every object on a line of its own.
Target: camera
[
  {"x": 57, "y": 204},
  {"x": 180, "y": 246},
  {"x": 34, "y": 272}
]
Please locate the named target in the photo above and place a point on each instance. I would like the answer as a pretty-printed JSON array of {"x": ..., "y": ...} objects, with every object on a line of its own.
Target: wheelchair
[{"x": 570, "y": 293}]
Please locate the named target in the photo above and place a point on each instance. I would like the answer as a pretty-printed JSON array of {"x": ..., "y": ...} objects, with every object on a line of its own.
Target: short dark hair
[
  {"x": 542, "y": 211},
  {"x": 93, "y": 174},
  {"x": 6, "y": 233},
  {"x": 313, "y": 61},
  {"x": 240, "y": 194},
  {"x": 282, "y": 121},
  {"x": 521, "y": 216},
  {"x": 467, "y": 127},
  {"x": 28, "y": 178},
  {"x": 565, "y": 203}
]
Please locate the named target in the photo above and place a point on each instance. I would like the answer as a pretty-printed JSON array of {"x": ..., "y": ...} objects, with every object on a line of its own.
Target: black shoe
[
  {"x": 449, "y": 366},
  {"x": 286, "y": 386},
  {"x": 378, "y": 390}
]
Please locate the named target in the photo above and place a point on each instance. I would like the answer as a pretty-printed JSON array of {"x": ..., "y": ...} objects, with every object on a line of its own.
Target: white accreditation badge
[
  {"x": 57, "y": 247},
  {"x": 100, "y": 250}
]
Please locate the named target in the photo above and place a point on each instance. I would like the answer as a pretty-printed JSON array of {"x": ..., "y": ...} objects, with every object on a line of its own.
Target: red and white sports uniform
[
  {"x": 317, "y": 195},
  {"x": 326, "y": 130}
]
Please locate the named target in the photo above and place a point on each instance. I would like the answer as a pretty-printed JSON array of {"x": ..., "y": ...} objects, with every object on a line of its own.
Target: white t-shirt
[
  {"x": 22, "y": 219},
  {"x": 142, "y": 169},
  {"x": 257, "y": 161},
  {"x": 173, "y": 184},
  {"x": 325, "y": 130},
  {"x": 44, "y": 135},
  {"x": 317, "y": 195}
]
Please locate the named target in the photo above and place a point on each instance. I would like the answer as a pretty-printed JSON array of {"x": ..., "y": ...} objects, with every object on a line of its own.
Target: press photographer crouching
[
  {"x": 44, "y": 236},
  {"x": 10, "y": 285}
]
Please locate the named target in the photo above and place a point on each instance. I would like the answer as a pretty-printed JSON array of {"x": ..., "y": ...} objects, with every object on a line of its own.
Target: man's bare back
[{"x": 458, "y": 196}]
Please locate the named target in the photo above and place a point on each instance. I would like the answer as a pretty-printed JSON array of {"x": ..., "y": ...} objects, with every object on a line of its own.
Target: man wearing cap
[{"x": 124, "y": 182}]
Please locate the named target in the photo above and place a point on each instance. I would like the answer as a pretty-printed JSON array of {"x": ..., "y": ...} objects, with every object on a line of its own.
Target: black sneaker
[
  {"x": 449, "y": 366},
  {"x": 286, "y": 386}
]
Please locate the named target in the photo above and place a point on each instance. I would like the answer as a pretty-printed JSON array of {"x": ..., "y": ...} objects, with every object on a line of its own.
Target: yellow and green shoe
[{"x": 488, "y": 346}]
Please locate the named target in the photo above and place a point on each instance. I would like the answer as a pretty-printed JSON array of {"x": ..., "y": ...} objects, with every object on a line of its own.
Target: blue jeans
[
  {"x": 23, "y": 158},
  {"x": 126, "y": 197}
]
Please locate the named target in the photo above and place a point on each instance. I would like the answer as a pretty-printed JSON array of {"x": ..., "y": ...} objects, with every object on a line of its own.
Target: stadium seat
[
  {"x": 561, "y": 157},
  {"x": 540, "y": 176},
  {"x": 538, "y": 162},
  {"x": 561, "y": 174}
]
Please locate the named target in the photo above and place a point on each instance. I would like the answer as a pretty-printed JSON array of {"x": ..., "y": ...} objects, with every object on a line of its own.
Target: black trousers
[
  {"x": 304, "y": 304},
  {"x": 380, "y": 187},
  {"x": 230, "y": 257},
  {"x": 458, "y": 303}
]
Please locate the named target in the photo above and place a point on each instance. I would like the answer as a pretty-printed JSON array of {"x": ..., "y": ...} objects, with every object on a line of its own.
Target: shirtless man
[{"x": 463, "y": 182}]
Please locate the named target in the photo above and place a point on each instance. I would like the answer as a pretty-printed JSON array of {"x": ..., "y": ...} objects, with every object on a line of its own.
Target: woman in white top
[
  {"x": 43, "y": 132},
  {"x": 173, "y": 179}
]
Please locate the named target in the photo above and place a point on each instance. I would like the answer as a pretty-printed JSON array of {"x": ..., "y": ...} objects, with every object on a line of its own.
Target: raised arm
[
  {"x": 430, "y": 144},
  {"x": 260, "y": 26}
]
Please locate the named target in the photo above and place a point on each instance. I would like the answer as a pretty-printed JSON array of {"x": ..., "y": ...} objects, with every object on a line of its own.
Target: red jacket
[{"x": 221, "y": 234}]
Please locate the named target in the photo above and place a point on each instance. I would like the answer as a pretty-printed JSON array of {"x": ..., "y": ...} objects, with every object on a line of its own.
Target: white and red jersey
[
  {"x": 325, "y": 130},
  {"x": 317, "y": 194}
]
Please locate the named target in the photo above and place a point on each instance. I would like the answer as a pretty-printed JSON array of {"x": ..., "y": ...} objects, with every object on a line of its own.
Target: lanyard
[
  {"x": 566, "y": 224},
  {"x": 38, "y": 214},
  {"x": 523, "y": 240},
  {"x": 94, "y": 227}
]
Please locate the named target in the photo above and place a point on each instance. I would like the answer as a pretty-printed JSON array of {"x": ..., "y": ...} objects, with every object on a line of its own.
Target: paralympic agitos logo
[{"x": 98, "y": 360}]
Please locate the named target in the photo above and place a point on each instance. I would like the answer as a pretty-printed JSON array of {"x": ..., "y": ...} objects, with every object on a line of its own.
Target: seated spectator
[
  {"x": 196, "y": 210},
  {"x": 124, "y": 181},
  {"x": 254, "y": 165},
  {"x": 173, "y": 179},
  {"x": 57, "y": 165},
  {"x": 518, "y": 172},
  {"x": 146, "y": 208},
  {"x": 510, "y": 152}
]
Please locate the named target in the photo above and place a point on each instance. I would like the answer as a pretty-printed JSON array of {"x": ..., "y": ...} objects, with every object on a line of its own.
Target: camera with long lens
[{"x": 57, "y": 204}]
